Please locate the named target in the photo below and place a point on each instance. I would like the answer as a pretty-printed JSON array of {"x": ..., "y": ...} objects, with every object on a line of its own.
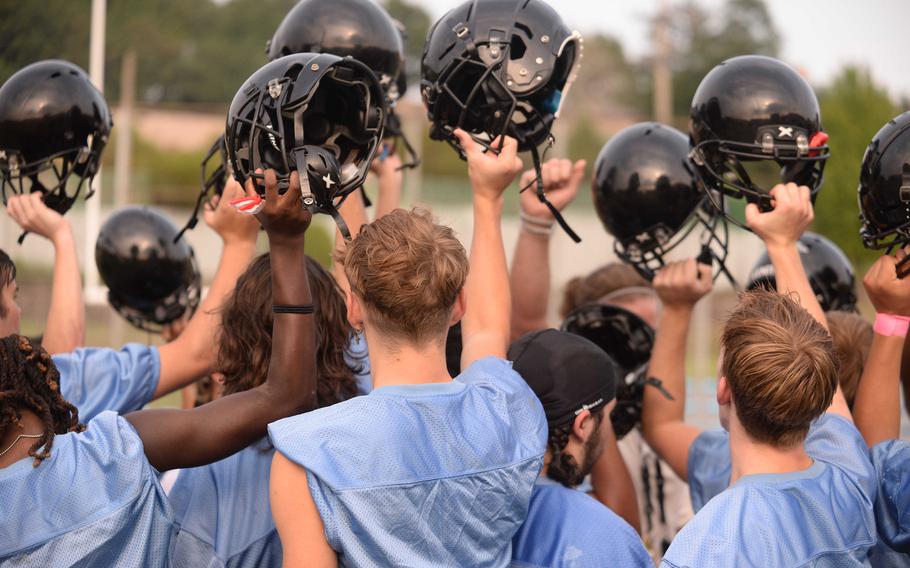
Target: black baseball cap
[{"x": 568, "y": 373}]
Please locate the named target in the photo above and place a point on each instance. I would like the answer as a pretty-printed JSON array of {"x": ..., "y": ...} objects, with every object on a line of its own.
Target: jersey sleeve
[
  {"x": 709, "y": 467},
  {"x": 96, "y": 379},
  {"x": 835, "y": 440},
  {"x": 892, "y": 505}
]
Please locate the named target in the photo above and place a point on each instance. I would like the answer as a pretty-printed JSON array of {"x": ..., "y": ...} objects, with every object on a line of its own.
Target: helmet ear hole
[{"x": 517, "y": 48}]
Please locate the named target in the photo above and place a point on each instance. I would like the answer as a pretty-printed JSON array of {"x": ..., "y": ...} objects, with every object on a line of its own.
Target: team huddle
[{"x": 411, "y": 404}]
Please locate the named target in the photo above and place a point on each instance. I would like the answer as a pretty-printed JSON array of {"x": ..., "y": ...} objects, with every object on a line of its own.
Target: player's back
[{"x": 94, "y": 502}]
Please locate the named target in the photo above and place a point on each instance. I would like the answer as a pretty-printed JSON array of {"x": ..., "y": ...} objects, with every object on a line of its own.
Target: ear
[
  {"x": 355, "y": 310},
  {"x": 724, "y": 395},
  {"x": 458, "y": 309},
  {"x": 583, "y": 426}
]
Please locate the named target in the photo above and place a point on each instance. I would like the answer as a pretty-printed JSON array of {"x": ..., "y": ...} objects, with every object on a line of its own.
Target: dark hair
[
  {"x": 852, "y": 335},
  {"x": 7, "y": 275},
  {"x": 245, "y": 336},
  {"x": 563, "y": 467},
  {"x": 29, "y": 381}
]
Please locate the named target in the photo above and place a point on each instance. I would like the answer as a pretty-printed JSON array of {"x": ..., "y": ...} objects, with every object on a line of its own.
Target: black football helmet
[
  {"x": 884, "y": 189},
  {"x": 628, "y": 340},
  {"x": 752, "y": 108},
  {"x": 647, "y": 196},
  {"x": 499, "y": 67},
  {"x": 830, "y": 273},
  {"x": 318, "y": 114},
  {"x": 54, "y": 125},
  {"x": 215, "y": 170},
  {"x": 152, "y": 280}
]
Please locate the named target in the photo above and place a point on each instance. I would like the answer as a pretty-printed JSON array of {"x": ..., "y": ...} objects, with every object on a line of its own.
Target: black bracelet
[{"x": 305, "y": 309}]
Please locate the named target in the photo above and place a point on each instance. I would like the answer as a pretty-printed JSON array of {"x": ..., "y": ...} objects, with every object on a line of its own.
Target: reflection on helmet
[
  {"x": 152, "y": 280},
  {"x": 54, "y": 125},
  {"x": 649, "y": 200},
  {"x": 754, "y": 108},
  {"x": 628, "y": 340},
  {"x": 830, "y": 273},
  {"x": 299, "y": 110}
]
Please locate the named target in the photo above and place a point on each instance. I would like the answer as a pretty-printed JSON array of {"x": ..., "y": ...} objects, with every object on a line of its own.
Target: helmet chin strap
[
  {"x": 318, "y": 168},
  {"x": 535, "y": 155}
]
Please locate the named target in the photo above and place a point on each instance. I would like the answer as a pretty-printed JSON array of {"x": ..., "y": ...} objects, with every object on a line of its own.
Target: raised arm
[
  {"x": 530, "y": 275},
  {"x": 781, "y": 229},
  {"x": 65, "y": 328},
  {"x": 189, "y": 438},
  {"x": 680, "y": 286},
  {"x": 390, "y": 179},
  {"x": 876, "y": 408},
  {"x": 485, "y": 327},
  {"x": 354, "y": 213},
  {"x": 192, "y": 355}
]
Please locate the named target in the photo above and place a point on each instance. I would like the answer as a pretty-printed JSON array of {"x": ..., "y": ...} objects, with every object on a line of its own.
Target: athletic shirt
[
  {"x": 566, "y": 528},
  {"x": 94, "y": 502},
  {"x": 222, "y": 509},
  {"x": 97, "y": 379},
  {"x": 435, "y": 474},
  {"x": 892, "y": 506},
  {"x": 822, "y": 514}
]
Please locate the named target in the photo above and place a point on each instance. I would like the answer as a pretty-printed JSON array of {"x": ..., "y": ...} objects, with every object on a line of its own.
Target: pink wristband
[{"x": 890, "y": 325}]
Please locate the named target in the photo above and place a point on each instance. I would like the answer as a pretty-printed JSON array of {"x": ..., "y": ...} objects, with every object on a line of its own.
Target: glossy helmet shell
[
  {"x": 496, "y": 67},
  {"x": 884, "y": 186},
  {"x": 752, "y": 108},
  {"x": 830, "y": 273},
  {"x": 49, "y": 112},
  {"x": 646, "y": 194},
  {"x": 361, "y": 29},
  {"x": 151, "y": 279},
  {"x": 306, "y": 100}
]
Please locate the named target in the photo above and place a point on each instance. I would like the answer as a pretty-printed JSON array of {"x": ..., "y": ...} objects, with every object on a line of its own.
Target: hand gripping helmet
[
  {"x": 884, "y": 189},
  {"x": 829, "y": 271},
  {"x": 318, "y": 114},
  {"x": 53, "y": 126},
  {"x": 499, "y": 67},
  {"x": 646, "y": 195},
  {"x": 753, "y": 108},
  {"x": 628, "y": 340},
  {"x": 151, "y": 279}
]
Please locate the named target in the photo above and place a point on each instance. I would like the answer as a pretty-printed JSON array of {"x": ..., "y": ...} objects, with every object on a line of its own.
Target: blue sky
[{"x": 818, "y": 36}]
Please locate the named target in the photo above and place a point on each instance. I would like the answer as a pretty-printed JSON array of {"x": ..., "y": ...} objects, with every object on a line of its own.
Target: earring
[{"x": 358, "y": 333}]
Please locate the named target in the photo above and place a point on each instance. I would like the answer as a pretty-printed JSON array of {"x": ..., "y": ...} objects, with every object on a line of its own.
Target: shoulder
[
  {"x": 709, "y": 466},
  {"x": 892, "y": 507},
  {"x": 131, "y": 353},
  {"x": 835, "y": 440}
]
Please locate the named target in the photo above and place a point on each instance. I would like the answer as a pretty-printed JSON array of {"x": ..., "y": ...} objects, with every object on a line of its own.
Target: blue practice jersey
[
  {"x": 96, "y": 379},
  {"x": 426, "y": 475},
  {"x": 567, "y": 529},
  {"x": 892, "y": 507},
  {"x": 94, "y": 502},
  {"x": 822, "y": 514}
]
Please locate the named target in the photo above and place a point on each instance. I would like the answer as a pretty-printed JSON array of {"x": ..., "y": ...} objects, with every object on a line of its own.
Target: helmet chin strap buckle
[{"x": 319, "y": 181}]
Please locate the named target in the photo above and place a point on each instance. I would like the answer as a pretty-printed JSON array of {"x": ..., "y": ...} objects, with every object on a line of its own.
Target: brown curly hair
[
  {"x": 245, "y": 335},
  {"x": 584, "y": 290},
  {"x": 563, "y": 466},
  {"x": 29, "y": 381},
  {"x": 7, "y": 275}
]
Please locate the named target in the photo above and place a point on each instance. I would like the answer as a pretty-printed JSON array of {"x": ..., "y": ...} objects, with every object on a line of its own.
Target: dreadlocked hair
[
  {"x": 7, "y": 275},
  {"x": 563, "y": 466},
  {"x": 245, "y": 335},
  {"x": 29, "y": 380}
]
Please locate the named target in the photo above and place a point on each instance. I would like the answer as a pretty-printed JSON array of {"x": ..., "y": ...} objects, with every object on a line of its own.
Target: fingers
[
  {"x": 752, "y": 214},
  {"x": 271, "y": 186},
  {"x": 467, "y": 143},
  {"x": 293, "y": 185},
  {"x": 577, "y": 172}
]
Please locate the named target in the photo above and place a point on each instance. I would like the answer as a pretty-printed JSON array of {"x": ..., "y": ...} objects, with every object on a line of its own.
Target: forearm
[
  {"x": 792, "y": 281},
  {"x": 390, "y": 185},
  {"x": 354, "y": 213},
  {"x": 192, "y": 355},
  {"x": 876, "y": 409},
  {"x": 530, "y": 283},
  {"x": 65, "y": 329},
  {"x": 485, "y": 328},
  {"x": 612, "y": 483}
]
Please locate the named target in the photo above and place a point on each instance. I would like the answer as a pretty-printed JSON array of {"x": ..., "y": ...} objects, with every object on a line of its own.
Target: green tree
[{"x": 853, "y": 109}]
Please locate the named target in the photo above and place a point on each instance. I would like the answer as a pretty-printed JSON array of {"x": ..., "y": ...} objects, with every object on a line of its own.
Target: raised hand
[
  {"x": 888, "y": 293},
  {"x": 561, "y": 179},
  {"x": 791, "y": 216},
  {"x": 283, "y": 217},
  {"x": 231, "y": 225},
  {"x": 683, "y": 283},
  {"x": 490, "y": 173},
  {"x": 30, "y": 213}
]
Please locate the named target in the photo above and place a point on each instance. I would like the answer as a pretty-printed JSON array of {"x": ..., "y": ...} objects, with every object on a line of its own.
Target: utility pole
[
  {"x": 124, "y": 148},
  {"x": 660, "y": 66},
  {"x": 93, "y": 205}
]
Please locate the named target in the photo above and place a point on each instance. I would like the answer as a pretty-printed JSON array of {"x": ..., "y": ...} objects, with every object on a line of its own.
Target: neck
[
  {"x": 31, "y": 424},
  {"x": 749, "y": 457},
  {"x": 406, "y": 364}
]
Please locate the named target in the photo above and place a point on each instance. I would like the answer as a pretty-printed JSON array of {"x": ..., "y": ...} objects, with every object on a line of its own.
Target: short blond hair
[
  {"x": 780, "y": 365},
  {"x": 407, "y": 270},
  {"x": 852, "y": 335}
]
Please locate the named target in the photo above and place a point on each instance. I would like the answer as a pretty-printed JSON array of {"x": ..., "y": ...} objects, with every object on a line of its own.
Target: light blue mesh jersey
[
  {"x": 222, "y": 510},
  {"x": 427, "y": 475},
  {"x": 95, "y": 502},
  {"x": 892, "y": 506},
  {"x": 567, "y": 529},
  {"x": 820, "y": 517},
  {"x": 98, "y": 379}
]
